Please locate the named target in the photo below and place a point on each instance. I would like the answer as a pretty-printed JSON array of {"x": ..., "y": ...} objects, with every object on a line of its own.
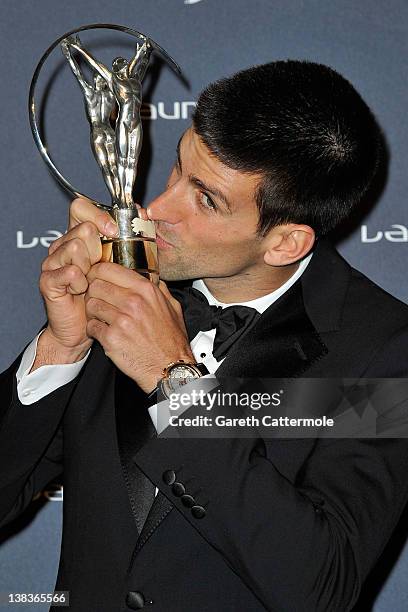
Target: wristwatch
[
  {"x": 177, "y": 374},
  {"x": 174, "y": 376}
]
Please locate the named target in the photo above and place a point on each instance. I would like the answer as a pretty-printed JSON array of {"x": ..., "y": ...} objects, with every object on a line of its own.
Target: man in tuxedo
[{"x": 278, "y": 156}]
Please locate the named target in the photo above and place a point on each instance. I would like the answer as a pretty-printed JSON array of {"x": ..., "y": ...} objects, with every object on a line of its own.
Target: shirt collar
[{"x": 262, "y": 303}]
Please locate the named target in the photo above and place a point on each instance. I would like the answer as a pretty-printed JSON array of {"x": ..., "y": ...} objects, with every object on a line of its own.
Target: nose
[{"x": 167, "y": 207}]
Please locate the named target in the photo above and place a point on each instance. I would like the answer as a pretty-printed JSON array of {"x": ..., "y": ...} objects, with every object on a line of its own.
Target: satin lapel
[
  {"x": 158, "y": 512},
  {"x": 283, "y": 343},
  {"x": 134, "y": 428}
]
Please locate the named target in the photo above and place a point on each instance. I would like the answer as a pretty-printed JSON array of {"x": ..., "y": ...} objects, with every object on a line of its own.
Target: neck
[{"x": 248, "y": 286}]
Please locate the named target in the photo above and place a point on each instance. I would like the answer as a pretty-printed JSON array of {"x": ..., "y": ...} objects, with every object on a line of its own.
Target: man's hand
[
  {"x": 63, "y": 283},
  {"x": 140, "y": 326}
]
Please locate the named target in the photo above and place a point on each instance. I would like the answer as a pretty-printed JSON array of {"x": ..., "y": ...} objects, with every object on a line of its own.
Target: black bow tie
[{"x": 199, "y": 315}]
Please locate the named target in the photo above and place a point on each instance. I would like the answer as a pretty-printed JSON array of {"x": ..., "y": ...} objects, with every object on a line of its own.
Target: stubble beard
[{"x": 178, "y": 269}]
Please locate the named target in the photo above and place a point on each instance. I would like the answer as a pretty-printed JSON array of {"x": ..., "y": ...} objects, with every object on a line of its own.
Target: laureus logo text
[{"x": 397, "y": 233}]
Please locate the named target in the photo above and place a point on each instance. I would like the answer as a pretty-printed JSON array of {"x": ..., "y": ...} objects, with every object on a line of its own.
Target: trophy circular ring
[
  {"x": 32, "y": 103},
  {"x": 135, "y": 246}
]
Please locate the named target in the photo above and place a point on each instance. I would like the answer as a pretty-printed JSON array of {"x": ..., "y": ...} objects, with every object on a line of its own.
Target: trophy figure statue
[
  {"x": 113, "y": 99},
  {"x": 99, "y": 105},
  {"x": 117, "y": 150},
  {"x": 124, "y": 84}
]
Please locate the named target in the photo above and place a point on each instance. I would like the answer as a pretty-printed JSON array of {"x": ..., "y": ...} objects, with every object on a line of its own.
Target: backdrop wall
[{"x": 365, "y": 41}]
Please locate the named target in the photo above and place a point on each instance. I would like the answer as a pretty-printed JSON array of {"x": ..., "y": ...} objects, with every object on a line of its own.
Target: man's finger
[
  {"x": 164, "y": 289},
  {"x": 70, "y": 252},
  {"x": 175, "y": 303},
  {"x": 118, "y": 275},
  {"x": 57, "y": 283},
  {"x": 97, "y": 329},
  {"x": 142, "y": 213},
  {"x": 88, "y": 234},
  {"x": 82, "y": 210},
  {"x": 110, "y": 293},
  {"x": 101, "y": 310}
]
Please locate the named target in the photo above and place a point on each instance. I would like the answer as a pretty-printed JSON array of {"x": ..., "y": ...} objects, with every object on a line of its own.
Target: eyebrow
[{"x": 194, "y": 179}]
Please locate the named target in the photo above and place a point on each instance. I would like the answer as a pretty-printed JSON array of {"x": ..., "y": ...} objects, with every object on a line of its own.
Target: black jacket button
[
  {"x": 178, "y": 489},
  {"x": 198, "y": 512},
  {"x": 169, "y": 477},
  {"x": 188, "y": 501},
  {"x": 135, "y": 600}
]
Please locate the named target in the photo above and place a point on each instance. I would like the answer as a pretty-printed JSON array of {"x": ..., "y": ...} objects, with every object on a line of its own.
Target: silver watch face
[
  {"x": 181, "y": 375},
  {"x": 178, "y": 375}
]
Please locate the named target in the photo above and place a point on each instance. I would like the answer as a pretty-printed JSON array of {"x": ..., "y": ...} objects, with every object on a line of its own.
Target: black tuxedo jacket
[{"x": 283, "y": 525}]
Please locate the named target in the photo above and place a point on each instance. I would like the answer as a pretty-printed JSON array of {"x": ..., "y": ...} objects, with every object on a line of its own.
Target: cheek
[
  {"x": 220, "y": 234},
  {"x": 229, "y": 245},
  {"x": 236, "y": 234}
]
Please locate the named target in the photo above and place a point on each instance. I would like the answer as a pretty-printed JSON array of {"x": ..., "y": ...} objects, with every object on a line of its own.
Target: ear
[{"x": 287, "y": 244}]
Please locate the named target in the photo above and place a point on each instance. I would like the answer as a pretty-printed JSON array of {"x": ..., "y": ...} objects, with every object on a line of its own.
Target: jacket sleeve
[
  {"x": 30, "y": 443},
  {"x": 306, "y": 544}
]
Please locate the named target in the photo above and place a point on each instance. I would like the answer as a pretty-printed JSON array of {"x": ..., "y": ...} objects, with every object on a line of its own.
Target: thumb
[
  {"x": 173, "y": 302},
  {"x": 83, "y": 210}
]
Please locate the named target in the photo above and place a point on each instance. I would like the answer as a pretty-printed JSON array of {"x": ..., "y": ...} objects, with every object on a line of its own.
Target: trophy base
[{"x": 139, "y": 254}]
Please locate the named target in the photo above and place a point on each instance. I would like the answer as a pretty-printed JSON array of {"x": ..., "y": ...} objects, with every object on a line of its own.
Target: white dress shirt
[{"x": 33, "y": 386}]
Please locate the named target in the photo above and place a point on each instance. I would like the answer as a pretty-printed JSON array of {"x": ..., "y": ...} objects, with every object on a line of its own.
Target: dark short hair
[{"x": 304, "y": 129}]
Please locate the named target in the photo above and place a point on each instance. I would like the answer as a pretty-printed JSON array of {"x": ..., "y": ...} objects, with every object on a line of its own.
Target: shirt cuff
[
  {"x": 45, "y": 379},
  {"x": 153, "y": 415}
]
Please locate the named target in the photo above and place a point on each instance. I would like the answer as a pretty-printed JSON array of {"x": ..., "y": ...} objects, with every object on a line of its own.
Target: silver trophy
[{"x": 112, "y": 98}]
